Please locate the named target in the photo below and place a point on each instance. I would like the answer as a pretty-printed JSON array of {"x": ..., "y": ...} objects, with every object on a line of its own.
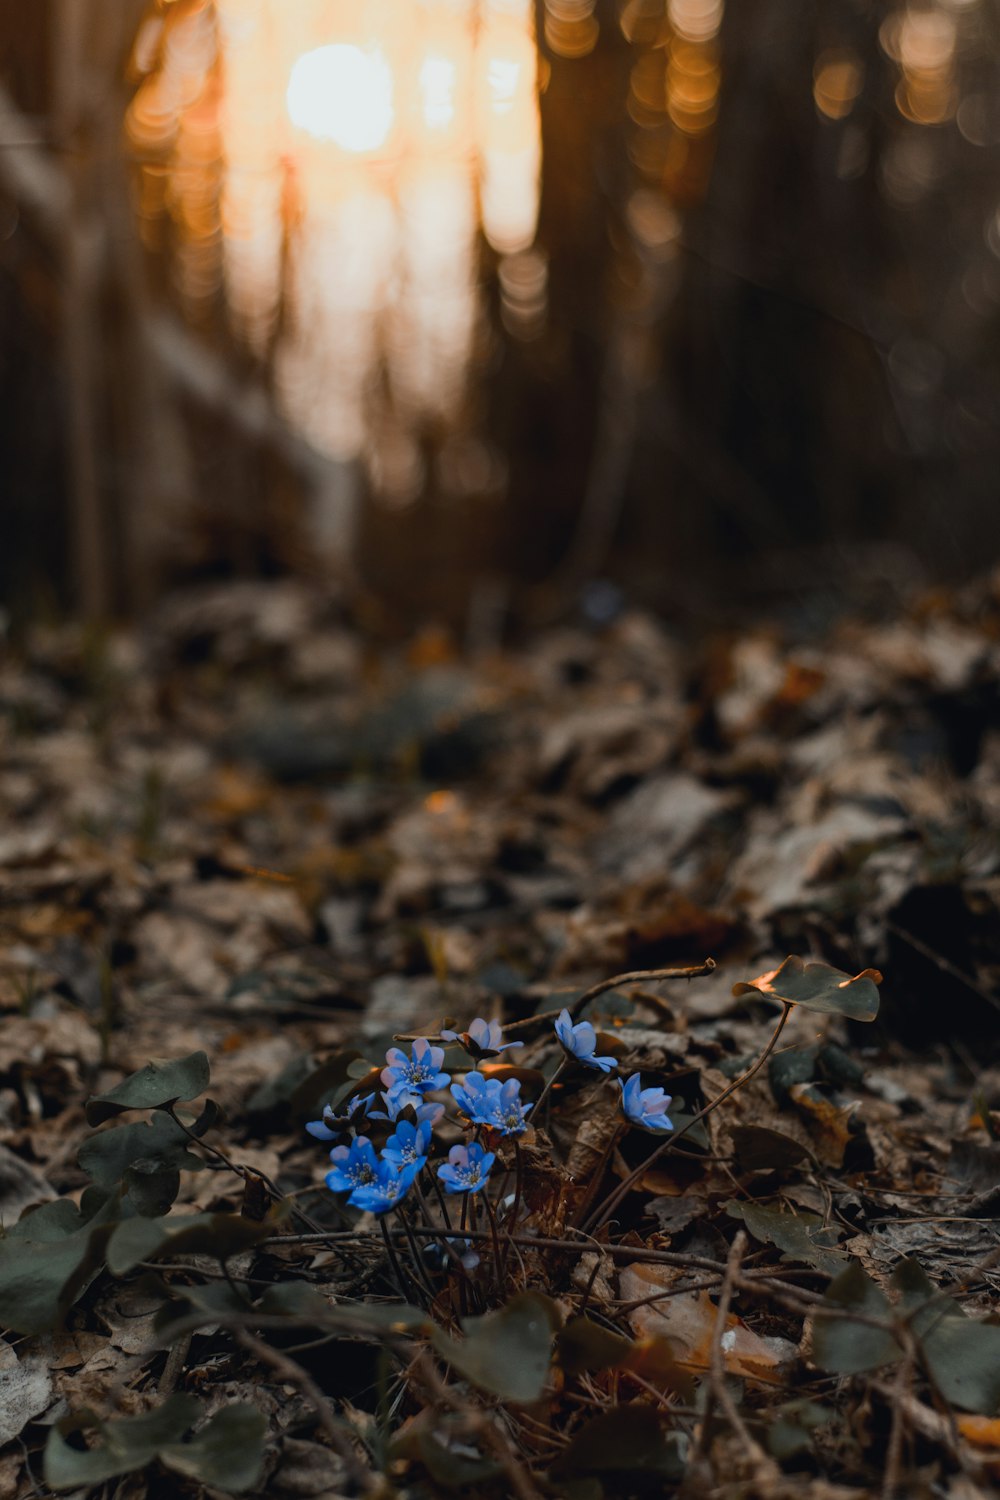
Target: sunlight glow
[
  {"x": 438, "y": 77},
  {"x": 332, "y": 164},
  {"x": 342, "y": 94},
  {"x": 502, "y": 75}
]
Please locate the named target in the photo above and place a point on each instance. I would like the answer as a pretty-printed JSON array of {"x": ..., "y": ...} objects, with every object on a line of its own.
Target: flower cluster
[{"x": 378, "y": 1181}]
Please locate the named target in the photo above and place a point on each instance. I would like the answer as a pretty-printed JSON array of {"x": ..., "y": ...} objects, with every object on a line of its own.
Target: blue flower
[
  {"x": 483, "y": 1039},
  {"x": 487, "y": 1101},
  {"x": 408, "y": 1145},
  {"x": 479, "y": 1098},
  {"x": 333, "y": 1124},
  {"x": 645, "y": 1107},
  {"x": 353, "y": 1166},
  {"x": 466, "y": 1169},
  {"x": 579, "y": 1041},
  {"x": 512, "y": 1116},
  {"x": 407, "y": 1079},
  {"x": 388, "y": 1188},
  {"x": 424, "y": 1114}
]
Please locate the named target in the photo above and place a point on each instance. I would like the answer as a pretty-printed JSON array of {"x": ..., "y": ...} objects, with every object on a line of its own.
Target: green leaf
[
  {"x": 791, "y": 1430},
  {"x": 801, "y": 1236},
  {"x": 49, "y": 1259},
  {"x": 508, "y": 1352},
  {"x": 301, "y": 1302},
  {"x": 962, "y": 1355},
  {"x": 843, "y": 1345},
  {"x": 107, "y": 1156},
  {"x": 624, "y": 1440},
  {"x": 818, "y": 986},
  {"x": 154, "y": 1085},
  {"x": 126, "y": 1443},
  {"x": 212, "y": 1297},
  {"x": 221, "y": 1235},
  {"x": 584, "y": 1345},
  {"x": 227, "y": 1453},
  {"x": 151, "y": 1188}
]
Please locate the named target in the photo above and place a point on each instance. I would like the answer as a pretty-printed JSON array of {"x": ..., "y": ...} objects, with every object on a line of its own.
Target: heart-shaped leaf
[
  {"x": 50, "y": 1257},
  {"x": 624, "y": 1440},
  {"x": 126, "y": 1444},
  {"x": 800, "y": 1235},
  {"x": 221, "y": 1235},
  {"x": 227, "y": 1453},
  {"x": 844, "y": 1345},
  {"x": 508, "y": 1352},
  {"x": 154, "y": 1085},
  {"x": 107, "y": 1156},
  {"x": 818, "y": 986}
]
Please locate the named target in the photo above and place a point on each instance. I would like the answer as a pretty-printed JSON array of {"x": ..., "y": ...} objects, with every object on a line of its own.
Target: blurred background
[{"x": 492, "y": 308}]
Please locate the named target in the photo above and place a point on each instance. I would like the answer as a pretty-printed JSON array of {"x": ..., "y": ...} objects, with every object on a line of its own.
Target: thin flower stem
[
  {"x": 536, "y": 1110},
  {"x": 608, "y": 1207},
  {"x": 499, "y": 1260},
  {"x": 515, "y": 1207},
  {"x": 397, "y": 1269},
  {"x": 417, "y": 1276},
  {"x": 442, "y": 1204}
]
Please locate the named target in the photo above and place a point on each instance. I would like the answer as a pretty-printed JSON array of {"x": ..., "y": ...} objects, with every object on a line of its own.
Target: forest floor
[{"x": 248, "y": 843}]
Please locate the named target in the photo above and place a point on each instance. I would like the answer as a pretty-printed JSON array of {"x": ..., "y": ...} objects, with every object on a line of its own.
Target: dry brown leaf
[{"x": 688, "y": 1321}]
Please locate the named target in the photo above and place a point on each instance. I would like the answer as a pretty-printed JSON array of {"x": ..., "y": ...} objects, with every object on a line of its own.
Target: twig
[
  {"x": 894, "y": 1451},
  {"x": 718, "y": 1390},
  {"x": 634, "y": 976}
]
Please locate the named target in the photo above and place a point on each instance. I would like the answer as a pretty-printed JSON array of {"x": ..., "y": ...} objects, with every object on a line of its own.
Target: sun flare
[{"x": 343, "y": 94}]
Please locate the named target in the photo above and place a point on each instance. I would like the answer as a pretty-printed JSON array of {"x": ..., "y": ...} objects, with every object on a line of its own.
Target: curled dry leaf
[{"x": 688, "y": 1321}]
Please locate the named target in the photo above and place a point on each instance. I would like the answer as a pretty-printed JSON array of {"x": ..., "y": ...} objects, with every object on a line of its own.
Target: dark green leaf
[
  {"x": 624, "y": 1440},
  {"x": 801, "y": 1236},
  {"x": 301, "y": 1302},
  {"x": 151, "y": 1188},
  {"x": 508, "y": 1352},
  {"x": 227, "y": 1453},
  {"x": 818, "y": 986},
  {"x": 107, "y": 1156},
  {"x": 49, "y": 1259},
  {"x": 791, "y": 1430},
  {"x": 584, "y": 1345},
  {"x": 212, "y": 1297},
  {"x": 221, "y": 1235},
  {"x": 963, "y": 1356},
  {"x": 154, "y": 1085},
  {"x": 125, "y": 1444},
  {"x": 842, "y": 1344}
]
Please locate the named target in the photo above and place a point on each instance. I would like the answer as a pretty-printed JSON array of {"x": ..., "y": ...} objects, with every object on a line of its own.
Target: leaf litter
[{"x": 245, "y": 849}]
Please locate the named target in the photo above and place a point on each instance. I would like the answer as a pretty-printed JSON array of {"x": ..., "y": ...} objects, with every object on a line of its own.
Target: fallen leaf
[{"x": 688, "y": 1320}]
